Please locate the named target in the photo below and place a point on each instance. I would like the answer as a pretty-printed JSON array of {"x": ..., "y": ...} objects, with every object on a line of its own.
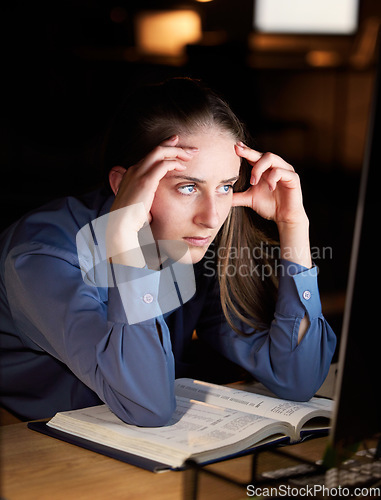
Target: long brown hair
[{"x": 182, "y": 106}]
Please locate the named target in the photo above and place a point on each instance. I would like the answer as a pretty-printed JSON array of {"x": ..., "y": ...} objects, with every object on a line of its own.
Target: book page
[
  {"x": 293, "y": 412},
  {"x": 195, "y": 428}
]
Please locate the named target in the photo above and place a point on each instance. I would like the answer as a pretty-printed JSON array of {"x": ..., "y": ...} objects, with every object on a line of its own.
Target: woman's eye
[
  {"x": 225, "y": 189},
  {"x": 191, "y": 189},
  {"x": 188, "y": 189}
]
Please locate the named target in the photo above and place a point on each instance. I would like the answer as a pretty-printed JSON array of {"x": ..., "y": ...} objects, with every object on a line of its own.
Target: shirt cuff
[
  {"x": 138, "y": 291},
  {"x": 298, "y": 291}
]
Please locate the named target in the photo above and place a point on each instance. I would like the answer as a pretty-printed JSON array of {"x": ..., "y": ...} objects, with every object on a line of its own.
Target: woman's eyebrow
[
  {"x": 188, "y": 178},
  {"x": 232, "y": 179},
  {"x": 202, "y": 181}
]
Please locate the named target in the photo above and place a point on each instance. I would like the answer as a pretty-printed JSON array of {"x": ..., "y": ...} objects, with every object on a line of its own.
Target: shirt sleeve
[
  {"x": 290, "y": 369},
  {"x": 128, "y": 365}
]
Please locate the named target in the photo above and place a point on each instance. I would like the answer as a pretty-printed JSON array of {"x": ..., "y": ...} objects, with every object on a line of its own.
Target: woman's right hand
[
  {"x": 135, "y": 190},
  {"x": 138, "y": 184}
]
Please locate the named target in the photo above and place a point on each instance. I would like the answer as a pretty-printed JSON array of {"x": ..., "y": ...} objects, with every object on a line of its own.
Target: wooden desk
[{"x": 39, "y": 467}]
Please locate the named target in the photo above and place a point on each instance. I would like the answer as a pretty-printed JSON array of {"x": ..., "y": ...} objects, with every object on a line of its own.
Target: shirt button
[
  {"x": 148, "y": 298},
  {"x": 306, "y": 295}
]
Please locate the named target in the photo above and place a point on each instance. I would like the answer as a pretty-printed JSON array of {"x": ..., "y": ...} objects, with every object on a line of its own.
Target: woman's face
[{"x": 191, "y": 206}]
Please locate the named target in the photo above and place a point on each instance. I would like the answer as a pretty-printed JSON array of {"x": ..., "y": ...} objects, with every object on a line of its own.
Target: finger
[
  {"x": 266, "y": 162},
  {"x": 167, "y": 152},
  {"x": 159, "y": 170},
  {"x": 171, "y": 141},
  {"x": 162, "y": 153},
  {"x": 254, "y": 156},
  {"x": 245, "y": 152},
  {"x": 280, "y": 175},
  {"x": 241, "y": 200}
]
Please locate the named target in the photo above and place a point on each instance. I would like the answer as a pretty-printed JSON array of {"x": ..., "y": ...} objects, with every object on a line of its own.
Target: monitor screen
[
  {"x": 358, "y": 411},
  {"x": 338, "y": 17}
]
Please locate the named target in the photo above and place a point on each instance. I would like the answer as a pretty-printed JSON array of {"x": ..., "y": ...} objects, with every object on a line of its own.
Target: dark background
[{"x": 67, "y": 64}]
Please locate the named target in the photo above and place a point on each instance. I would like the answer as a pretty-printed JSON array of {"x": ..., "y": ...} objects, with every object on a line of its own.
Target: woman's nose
[{"x": 207, "y": 213}]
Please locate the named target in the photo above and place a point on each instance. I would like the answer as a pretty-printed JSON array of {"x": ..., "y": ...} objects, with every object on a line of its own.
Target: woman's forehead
[
  {"x": 205, "y": 135},
  {"x": 216, "y": 159}
]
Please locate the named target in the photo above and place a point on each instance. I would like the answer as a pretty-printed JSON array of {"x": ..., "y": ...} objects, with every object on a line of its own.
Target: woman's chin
[
  {"x": 191, "y": 256},
  {"x": 179, "y": 251}
]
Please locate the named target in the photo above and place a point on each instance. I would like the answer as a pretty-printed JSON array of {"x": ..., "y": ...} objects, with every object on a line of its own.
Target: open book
[{"x": 210, "y": 422}]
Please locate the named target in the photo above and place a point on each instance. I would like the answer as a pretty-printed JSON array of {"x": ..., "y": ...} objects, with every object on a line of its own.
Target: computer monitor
[
  {"x": 317, "y": 17},
  {"x": 357, "y": 414}
]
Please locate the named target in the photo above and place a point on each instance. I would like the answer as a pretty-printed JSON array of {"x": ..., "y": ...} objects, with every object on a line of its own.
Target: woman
[{"x": 179, "y": 171}]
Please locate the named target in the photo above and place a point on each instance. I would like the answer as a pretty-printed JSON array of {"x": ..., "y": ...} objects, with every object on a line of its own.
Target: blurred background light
[
  {"x": 166, "y": 33},
  {"x": 301, "y": 16}
]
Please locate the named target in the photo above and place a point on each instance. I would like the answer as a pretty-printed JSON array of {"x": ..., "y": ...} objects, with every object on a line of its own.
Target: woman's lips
[{"x": 197, "y": 241}]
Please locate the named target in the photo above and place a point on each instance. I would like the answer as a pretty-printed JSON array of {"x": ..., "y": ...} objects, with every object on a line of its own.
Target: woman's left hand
[{"x": 275, "y": 191}]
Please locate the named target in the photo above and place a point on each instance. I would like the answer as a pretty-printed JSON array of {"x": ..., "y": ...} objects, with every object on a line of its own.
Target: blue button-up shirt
[{"x": 66, "y": 344}]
